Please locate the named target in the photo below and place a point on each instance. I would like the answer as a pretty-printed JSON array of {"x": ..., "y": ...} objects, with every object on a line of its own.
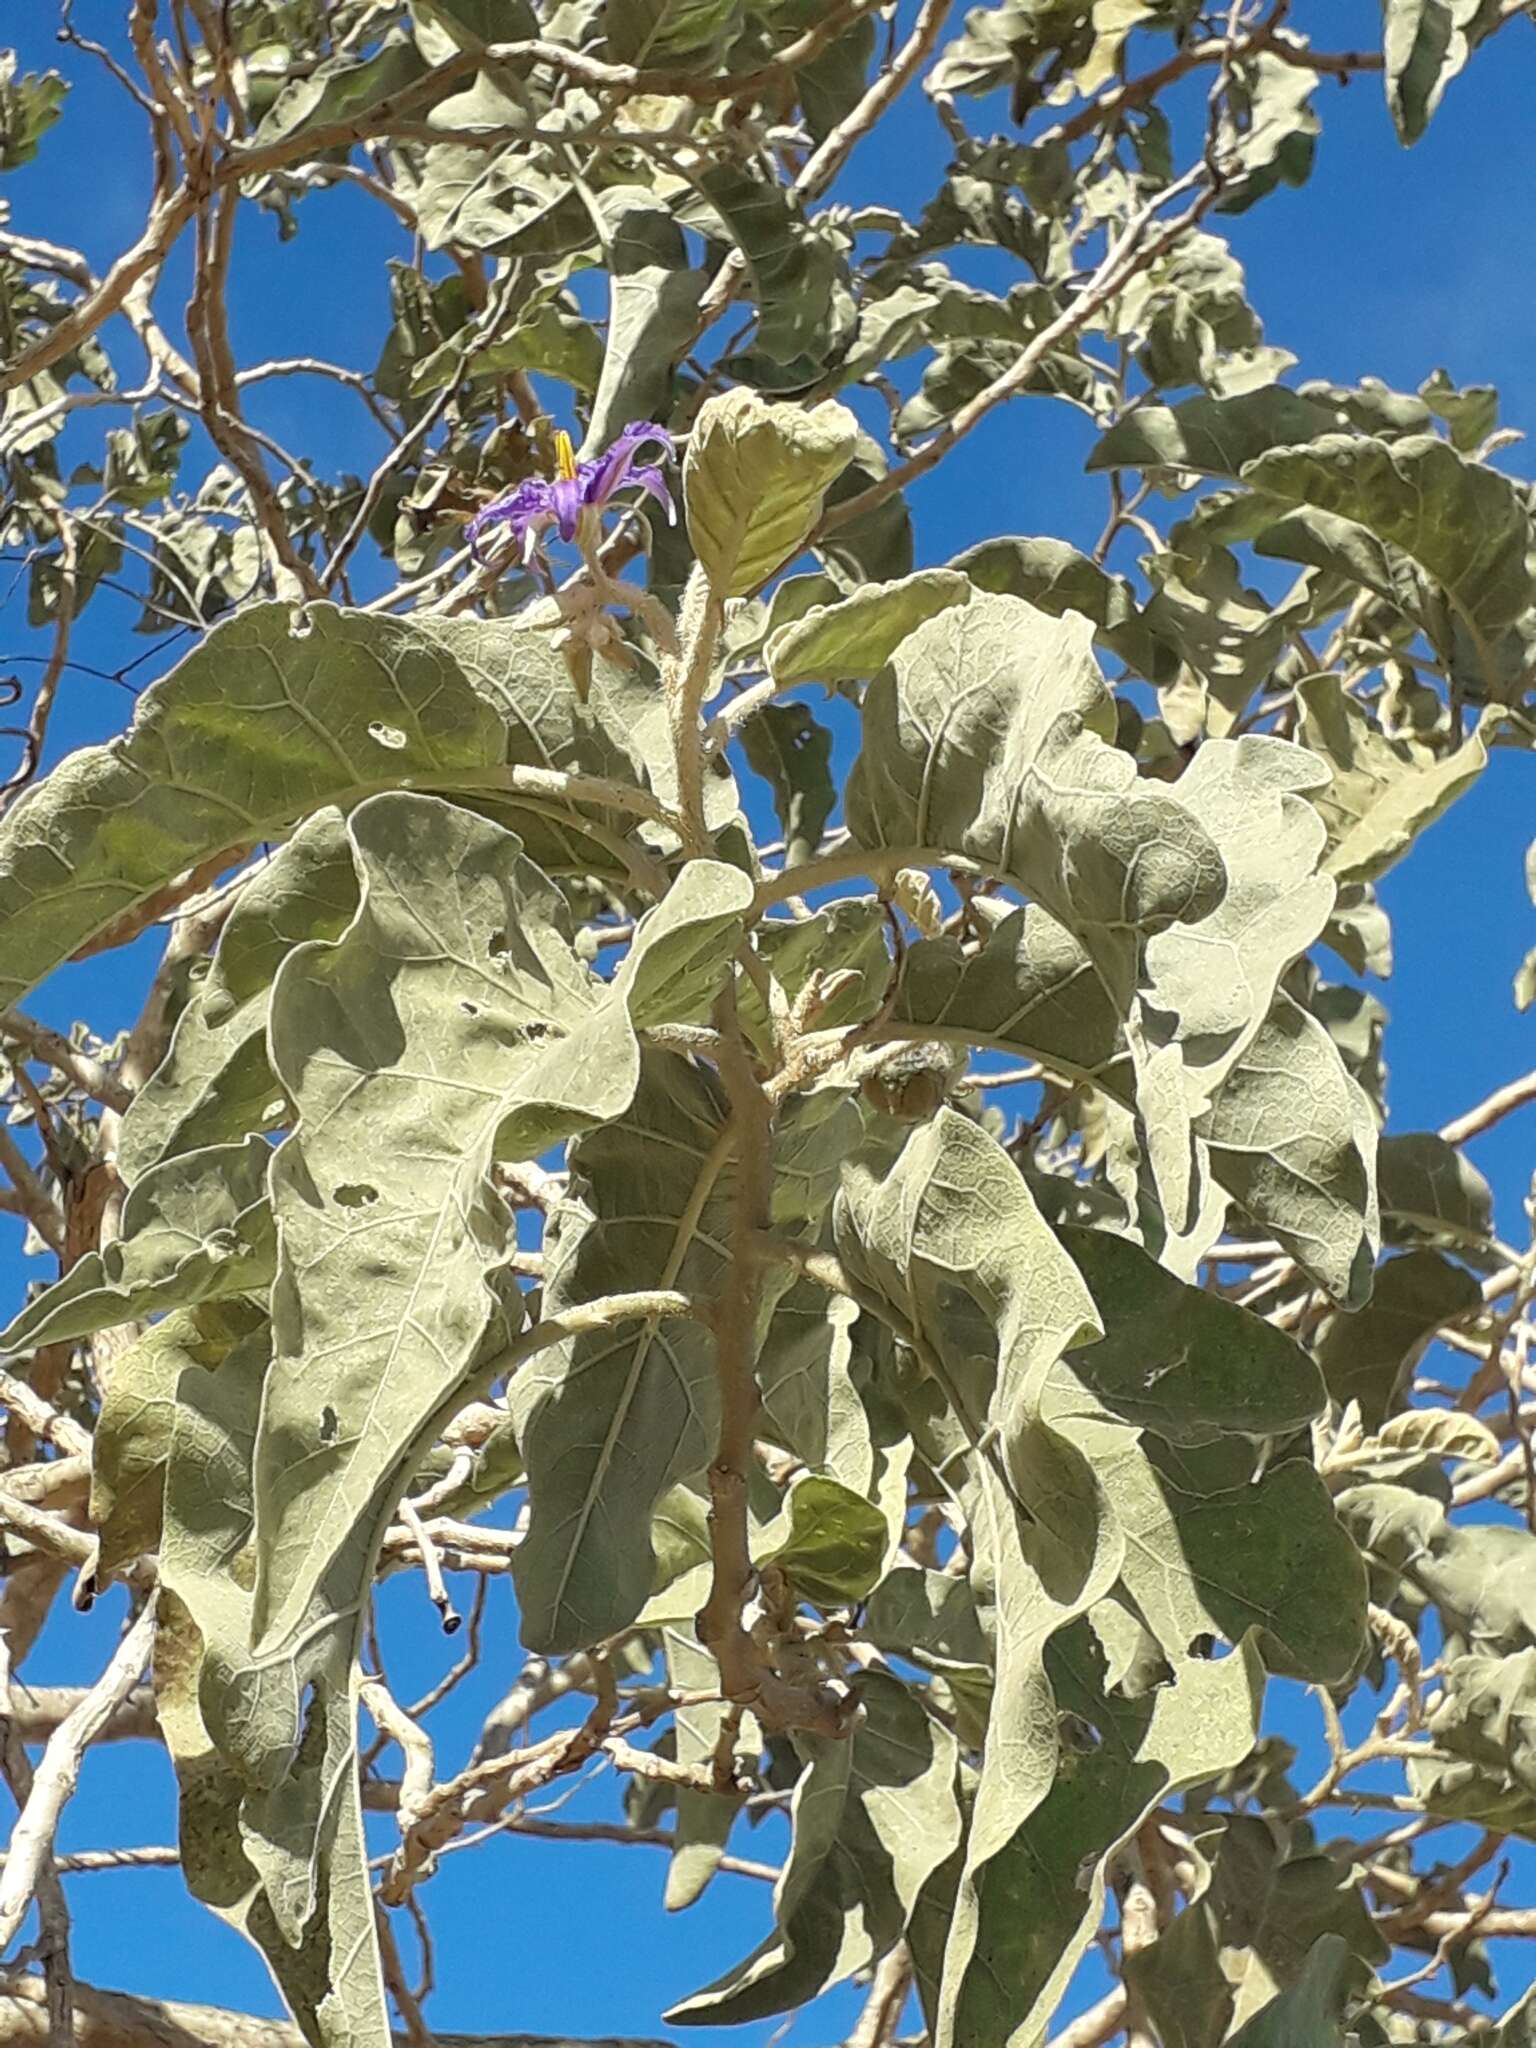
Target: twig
[
  {"x": 41, "y": 1418},
  {"x": 85, "y": 1862},
  {"x": 46, "y": 1532},
  {"x": 835, "y": 148},
  {"x": 1098, "y": 2024},
  {"x": 34, "y": 1200},
  {"x": 1473, "y": 1122},
  {"x": 432, "y": 1566},
  {"x": 42, "y": 1042},
  {"x": 58, "y": 1771},
  {"x": 686, "y": 679},
  {"x": 877, "y": 2023},
  {"x": 52, "y": 1908}
]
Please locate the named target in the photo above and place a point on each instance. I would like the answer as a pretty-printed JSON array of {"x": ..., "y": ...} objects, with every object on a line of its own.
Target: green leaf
[
  {"x": 951, "y": 1241},
  {"x": 1218, "y": 1543},
  {"x": 215, "y": 1082},
  {"x": 799, "y": 280},
  {"x": 260, "y": 726},
  {"x": 1462, "y": 522},
  {"x": 1212, "y": 436},
  {"x": 132, "y": 1439},
  {"x": 877, "y": 546},
  {"x": 989, "y": 735},
  {"x": 1182, "y": 1362},
  {"x": 1219, "y": 975},
  {"x": 1366, "y": 1357},
  {"x": 1471, "y": 414},
  {"x": 835, "y": 1547},
  {"x": 1293, "y": 1139},
  {"x": 196, "y": 1229},
  {"x": 1228, "y": 635},
  {"x": 1384, "y": 792},
  {"x": 610, "y": 1419},
  {"x": 1028, "y": 1907},
  {"x": 1486, "y": 1719},
  {"x": 1431, "y": 1193},
  {"x": 847, "y": 937},
  {"x": 450, "y": 1024},
  {"x": 754, "y": 480},
  {"x": 874, "y": 1816},
  {"x": 1425, "y": 44},
  {"x": 277, "y": 1851},
  {"x": 653, "y": 303},
  {"x": 1056, "y": 578},
  {"x": 1308, "y": 2014},
  {"x": 549, "y": 337},
  {"x": 1030, "y": 990},
  {"x": 793, "y": 754},
  {"x": 930, "y": 1617},
  {"x": 704, "y": 1819},
  {"x": 29, "y": 106},
  {"x": 343, "y": 89},
  {"x": 852, "y": 640},
  {"x": 661, "y": 32}
]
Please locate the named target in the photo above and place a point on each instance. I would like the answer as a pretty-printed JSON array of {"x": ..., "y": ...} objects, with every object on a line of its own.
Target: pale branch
[
  {"x": 52, "y": 1906},
  {"x": 1098, "y": 2024},
  {"x": 166, "y": 221},
  {"x": 41, "y": 1042},
  {"x": 541, "y": 1829},
  {"x": 175, "y": 209},
  {"x": 747, "y": 1676},
  {"x": 208, "y": 330},
  {"x": 1485, "y": 1114},
  {"x": 36, "y": 731},
  {"x": 29, "y": 1408},
  {"x": 36, "y": 1712},
  {"x": 58, "y": 1771},
  {"x": 889, "y": 1987},
  {"x": 414, "y": 1744},
  {"x": 837, "y": 145},
  {"x": 90, "y": 1862},
  {"x": 45, "y": 1532},
  {"x": 116, "y": 2019},
  {"x": 32, "y": 1197},
  {"x": 1130, "y": 253}
]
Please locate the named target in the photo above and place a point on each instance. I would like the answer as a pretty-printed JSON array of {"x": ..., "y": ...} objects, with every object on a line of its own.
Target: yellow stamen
[{"x": 565, "y": 456}]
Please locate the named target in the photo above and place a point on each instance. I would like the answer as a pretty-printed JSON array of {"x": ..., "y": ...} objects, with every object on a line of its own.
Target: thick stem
[
  {"x": 687, "y": 681},
  {"x": 747, "y": 1677}
]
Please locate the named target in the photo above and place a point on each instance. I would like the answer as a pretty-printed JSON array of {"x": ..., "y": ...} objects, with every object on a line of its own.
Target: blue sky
[{"x": 1388, "y": 263}]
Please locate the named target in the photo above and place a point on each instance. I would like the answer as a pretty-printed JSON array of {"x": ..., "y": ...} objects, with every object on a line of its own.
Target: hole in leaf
[
  {"x": 328, "y": 1424},
  {"x": 387, "y": 735},
  {"x": 470, "y": 1009},
  {"x": 356, "y": 1194},
  {"x": 496, "y": 945}
]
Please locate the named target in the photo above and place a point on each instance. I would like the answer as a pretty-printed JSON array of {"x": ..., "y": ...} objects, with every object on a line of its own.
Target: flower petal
[
  {"x": 525, "y": 509},
  {"x": 613, "y": 467},
  {"x": 653, "y": 482},
  {"x": 569, "y": 497}
]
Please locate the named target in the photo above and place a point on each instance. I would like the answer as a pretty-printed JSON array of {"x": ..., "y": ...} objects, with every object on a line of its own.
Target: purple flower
[{"x": 578, "y": 488}]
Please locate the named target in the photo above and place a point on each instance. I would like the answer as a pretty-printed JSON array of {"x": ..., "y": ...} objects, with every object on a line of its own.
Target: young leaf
[{"x": 754, "y": 480}]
